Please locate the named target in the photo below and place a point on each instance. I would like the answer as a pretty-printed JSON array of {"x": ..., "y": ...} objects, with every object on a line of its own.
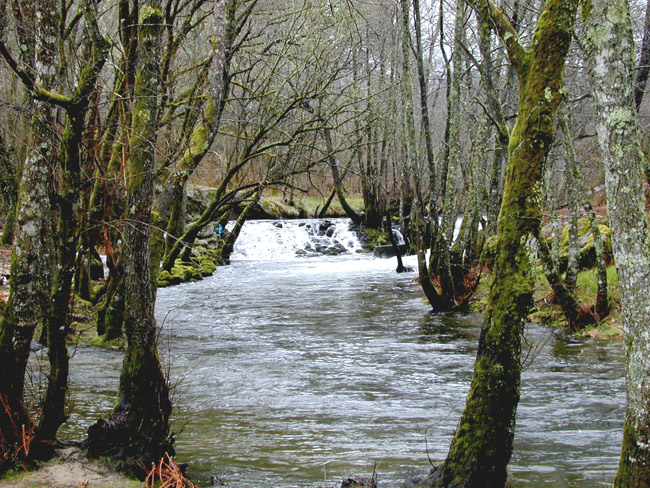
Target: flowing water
[{"x": 292, "y": 368}]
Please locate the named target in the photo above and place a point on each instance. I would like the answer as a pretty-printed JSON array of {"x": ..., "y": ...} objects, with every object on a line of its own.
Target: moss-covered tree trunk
[
  {"x": 28, "y": 300},
  {"x": 139, "y": 426},
  {"x": 575, "y": 316},
  {"x": 482, "y": 445},
  {"x": 68, "y": 228},
  {"x": 8, "y": 192},
  {"x": 610, "y": 62}
]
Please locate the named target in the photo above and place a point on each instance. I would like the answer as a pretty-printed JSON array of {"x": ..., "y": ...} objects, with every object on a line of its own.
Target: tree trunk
[
  {"x": 482, "y": 445},
  {"x": 441, "y": 253},
  {"x": 70, "y": 217},
  {"x": 389, "y": 229},
  {"x": 498, "y": 118},
  {"x": 229, "y": 245},
  {"x": 601, "y": 308},
  {"x": 28, "y": 301},
  {"x": 139, "y": 426},
  {"x": 9, "y": 192},
  {"x": 644, "y": 61},
  {"x": 355, "y": 216},
  {"x": 610, "y": 62},
  {"x": 563, "y": 293}
]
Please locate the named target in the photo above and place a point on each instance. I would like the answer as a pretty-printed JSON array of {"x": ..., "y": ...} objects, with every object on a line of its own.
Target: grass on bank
[
  {"x": 586, "y": 288},
  {"x": 548, "y": 313},
  {"x": 312, "y": 204}
]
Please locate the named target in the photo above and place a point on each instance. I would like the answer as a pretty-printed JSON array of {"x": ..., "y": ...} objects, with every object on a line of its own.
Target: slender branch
[
  {"x": 505, "y": 30},
  {"x": 38, "y": 92}
]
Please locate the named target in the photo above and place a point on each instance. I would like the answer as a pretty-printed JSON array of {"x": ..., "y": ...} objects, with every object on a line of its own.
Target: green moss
[
  {"x": 103, "y": 343},
  {"x": 489, "y": 251},
  {"x": 376, "y": 237},
  {"x": 587, "y": 284},
  {"x": 587, "y": 254},
  {"x": 150, "y": 15},
  {"x": 549, "y": 314},
  {"x": 202, "y": 266},
  {"x": 605, "y": 330}
]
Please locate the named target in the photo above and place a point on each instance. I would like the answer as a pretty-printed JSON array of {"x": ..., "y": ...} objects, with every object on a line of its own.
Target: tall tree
[
  {"x": 609, "y": 46},
  {"x": 30, "y": 266},
  {"x": 139, "y": 426},
  {"x": 69, "y": 207},
  {"x": 482, "y": 445}
]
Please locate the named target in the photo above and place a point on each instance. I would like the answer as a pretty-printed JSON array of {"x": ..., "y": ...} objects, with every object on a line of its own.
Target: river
[{"x": 302, "y": 370}]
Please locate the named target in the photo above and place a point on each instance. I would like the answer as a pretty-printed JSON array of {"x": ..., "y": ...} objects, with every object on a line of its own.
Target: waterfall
[{"x": 263, "y": 240}]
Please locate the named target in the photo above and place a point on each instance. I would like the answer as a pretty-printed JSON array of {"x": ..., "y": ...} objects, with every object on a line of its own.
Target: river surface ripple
[{"x": 307, "y": 371}]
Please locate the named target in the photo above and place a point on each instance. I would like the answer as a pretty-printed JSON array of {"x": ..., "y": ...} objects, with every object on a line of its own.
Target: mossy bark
[
  {"x": 482, "y": 445},
  {"x": 169, "y": 204},
  {"x": 110, "y": 313},
  {"x": 609, "y": 46},
  {"x": 9, "y": 192},
  {"x": 68, "y": 229},
  {"x": 28, "y": 300},
  {"x": 138, "y": 429}
]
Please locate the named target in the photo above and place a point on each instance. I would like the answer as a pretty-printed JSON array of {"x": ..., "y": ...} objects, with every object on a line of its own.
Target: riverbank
[
  {"x": 70, "y": 468},
  {"x": 548, "y": 313}
]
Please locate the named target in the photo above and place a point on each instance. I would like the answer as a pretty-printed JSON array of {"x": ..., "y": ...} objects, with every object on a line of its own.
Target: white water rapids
[{"x": 265, "y": 240}]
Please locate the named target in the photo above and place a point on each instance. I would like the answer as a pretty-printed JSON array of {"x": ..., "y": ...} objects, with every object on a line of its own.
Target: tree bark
[
  {"x": 482, "y": 445},
  {"x": 610, "y": 62},
  {"x": 398, "y": 254},
  {"x": 139, "y": 426},
  {"x": 355, "y": 216},
  {"x": 9, "y": 192},
  {"x": 69, "y": 222},
  {"x": 644, "y": 61},
  {"x": 28, "y": 300}
]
